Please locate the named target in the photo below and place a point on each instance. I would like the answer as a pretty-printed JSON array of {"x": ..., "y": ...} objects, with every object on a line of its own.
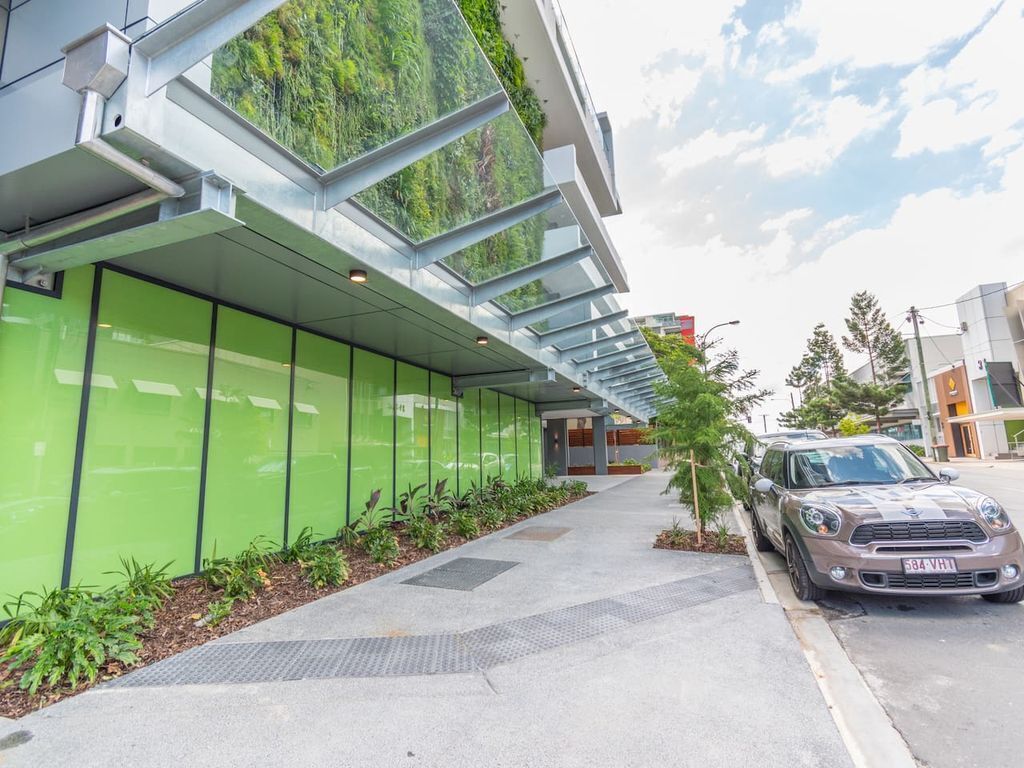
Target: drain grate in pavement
[
  {"x": 464, "y": 573},
  {"x": 539, "y": 533},
  {"x": 483, "y": 648}
]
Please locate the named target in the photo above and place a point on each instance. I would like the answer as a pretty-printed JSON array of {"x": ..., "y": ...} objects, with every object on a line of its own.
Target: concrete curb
[{"x": 863, "y": 724}]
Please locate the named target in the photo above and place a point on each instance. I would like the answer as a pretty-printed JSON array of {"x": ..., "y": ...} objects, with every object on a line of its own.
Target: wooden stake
[{"x": 696, "y": 501}]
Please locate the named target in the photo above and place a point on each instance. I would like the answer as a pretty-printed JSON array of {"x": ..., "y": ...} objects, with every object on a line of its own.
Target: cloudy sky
[{"x": 775, "y": 157}]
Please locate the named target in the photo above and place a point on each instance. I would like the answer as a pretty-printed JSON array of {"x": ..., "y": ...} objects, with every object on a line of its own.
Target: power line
[
  {"x": 972, "y": 298},
  {"x": 941, "y": 325}
]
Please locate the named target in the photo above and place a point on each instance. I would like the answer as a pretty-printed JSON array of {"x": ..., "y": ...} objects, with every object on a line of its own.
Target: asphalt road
[{"x": 949, "y": 671}]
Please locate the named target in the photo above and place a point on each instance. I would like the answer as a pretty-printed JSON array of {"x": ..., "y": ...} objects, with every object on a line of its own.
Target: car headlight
[
  {"x": 994, "y": 514},
  {"x": 820, "y": 521}
]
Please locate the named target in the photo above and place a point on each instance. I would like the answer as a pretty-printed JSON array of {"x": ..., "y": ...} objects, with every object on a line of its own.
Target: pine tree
[
  {"x": 821, "y": 368},
  {"x": 870, "y": 333}
]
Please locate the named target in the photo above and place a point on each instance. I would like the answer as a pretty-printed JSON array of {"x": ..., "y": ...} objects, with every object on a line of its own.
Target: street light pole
[{"x": 704, "y": 340}]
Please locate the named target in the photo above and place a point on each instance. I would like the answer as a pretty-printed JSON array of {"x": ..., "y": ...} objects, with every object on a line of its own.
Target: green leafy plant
[
  {"x": 465, "y": 524},
  {"x": 381, "y": 545},
  {"x": 299, "y": 547},
  {"x": 65, "y": 636},
  {"x": 440, "y": 502},
  {"x": 491, "y": 517},
  {"x": 324, "y": 566},
  {"x": 407, "y": 499},
  {"x": 427, "y": 534},
  {"x": 144, "y": 582},
  {"x": 217, "y": 611},
  {"x": 245, "y": 574}
]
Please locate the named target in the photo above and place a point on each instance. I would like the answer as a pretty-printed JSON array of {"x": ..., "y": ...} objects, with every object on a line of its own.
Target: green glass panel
[
  {"x": 42, "y": 355},
  {"x": 490, "y": 168},
  {"x": 245, "y": 476},
  {"x": 469, "y": 440},
  {"x": 490, "y": 432},
  {"x": 139, "y": 494},
  {"x": 332, "y": 80},
  {"x": 523, "y": 409},
  {"x": 507, "y": 419},
  {"x": 319, "y": 436},
  {"x": 536, "y": 447},
  {"x": 444, "y": 453},
  {"x": 412, "y": 429},
  {"x": 373, "y": 425}
]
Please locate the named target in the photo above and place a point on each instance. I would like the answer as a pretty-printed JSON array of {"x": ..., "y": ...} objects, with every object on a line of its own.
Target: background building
[{"x": 258, "y": 261}]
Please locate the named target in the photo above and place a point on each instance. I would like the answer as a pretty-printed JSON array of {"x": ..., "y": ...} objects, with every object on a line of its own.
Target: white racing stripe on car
[{"x": 892, "y": 504}]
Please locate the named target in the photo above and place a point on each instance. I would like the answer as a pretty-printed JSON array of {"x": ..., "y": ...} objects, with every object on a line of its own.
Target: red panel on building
[{"x": 686, "y": 329}]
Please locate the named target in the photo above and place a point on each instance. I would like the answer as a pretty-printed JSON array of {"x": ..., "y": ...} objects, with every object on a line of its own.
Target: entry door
[{"x": 968, "y": 439}]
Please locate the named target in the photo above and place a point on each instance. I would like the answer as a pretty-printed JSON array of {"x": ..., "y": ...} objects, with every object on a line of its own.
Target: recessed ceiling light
[
  {"x": 482, "y": 341},
  {"x": 357, "y": 275},
  {"x": 575, "y": 389},
  {"x": 104, "y": 325}
]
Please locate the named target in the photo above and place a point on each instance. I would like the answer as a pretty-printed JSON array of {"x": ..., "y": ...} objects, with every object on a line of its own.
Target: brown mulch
[
  {"x": 686, "y": 541},
  {"x": 174, "y": 628}
]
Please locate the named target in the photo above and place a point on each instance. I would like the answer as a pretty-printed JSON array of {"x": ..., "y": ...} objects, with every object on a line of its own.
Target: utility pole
[{"x": 926, "y": 413}]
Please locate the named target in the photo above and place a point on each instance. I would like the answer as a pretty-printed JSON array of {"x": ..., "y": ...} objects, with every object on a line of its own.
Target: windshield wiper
[
  {"x": 918, "y": 480},
  {"x": 854, "y": 482}
]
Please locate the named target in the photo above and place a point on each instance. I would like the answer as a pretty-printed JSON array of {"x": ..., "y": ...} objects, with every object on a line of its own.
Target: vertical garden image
[{"x": 333, "y": 79}]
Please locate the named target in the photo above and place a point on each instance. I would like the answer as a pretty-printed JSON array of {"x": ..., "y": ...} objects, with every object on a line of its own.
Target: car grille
[
  {"x": 918, "y": 530},
  {"x": 962, "y": 580}
]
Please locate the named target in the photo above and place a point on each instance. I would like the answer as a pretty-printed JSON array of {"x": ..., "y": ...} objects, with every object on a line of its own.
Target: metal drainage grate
[
  {"x": 464, "y": 573},
  {"x": 539, "y": 533},
  {"x": 483, "y": 648}
]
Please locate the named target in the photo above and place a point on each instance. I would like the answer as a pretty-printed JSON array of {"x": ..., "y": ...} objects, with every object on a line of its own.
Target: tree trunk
[{"x": 696, "y": 501}]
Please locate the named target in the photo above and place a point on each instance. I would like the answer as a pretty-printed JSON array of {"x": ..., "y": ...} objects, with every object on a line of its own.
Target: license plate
[{"x": 929, "y": 565}]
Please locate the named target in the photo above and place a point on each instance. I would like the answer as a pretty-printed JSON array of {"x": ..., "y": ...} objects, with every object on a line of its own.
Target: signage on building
[
  {"x": 686, "y": 329},
  {"x": 953, "y": 391}
]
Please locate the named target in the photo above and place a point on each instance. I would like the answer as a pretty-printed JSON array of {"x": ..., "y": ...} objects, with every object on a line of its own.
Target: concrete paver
[{"x": 713, "y": 684}]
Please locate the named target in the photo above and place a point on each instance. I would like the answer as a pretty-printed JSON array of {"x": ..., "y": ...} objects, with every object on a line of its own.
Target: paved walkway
[{"x": 583, "y": 646}]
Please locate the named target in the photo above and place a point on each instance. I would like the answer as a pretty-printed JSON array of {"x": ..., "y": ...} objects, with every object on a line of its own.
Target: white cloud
[
  {"x": 820, "y": 136},
  {"x": 870, "y": 33},
  {"x": 976, "y": 97},
  {"x": 632, "y": 81},
  {"x": 710, "y": 145},
  {"x": 786, "y": 220}
]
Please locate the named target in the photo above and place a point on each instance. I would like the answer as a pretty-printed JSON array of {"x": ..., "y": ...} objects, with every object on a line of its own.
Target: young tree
[
  {"x": 698, "y": 427},
  {"x": 872, "y": 334},
  {"x": 820, "y": 371}
]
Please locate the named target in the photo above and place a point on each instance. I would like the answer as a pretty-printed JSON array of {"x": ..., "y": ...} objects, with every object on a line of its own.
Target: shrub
[
  {"x": 426, "y": 534},
  {"x": 490, "y": 517},
  {"x": 381, "y": 545},
  {"x": 464, "y": 522},
  {"x": 407, "y": 499},
  {"x": 217, "y": 611},
  {"x": 68, "y": 635},
  {"x": 300, "y": 547},
  {"x": 245, "y": 574},
  {"x": 917, "y": 450},
  {"x": 324, "y": 566},
  {"x": 145, "y": 582}
]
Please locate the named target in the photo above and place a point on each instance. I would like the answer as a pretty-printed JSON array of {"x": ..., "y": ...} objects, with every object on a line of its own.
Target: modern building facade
[
  {"x": 670, "y": 324},
  {"x": 260, "y": 259},
  {"x": 992, "y": 338}
]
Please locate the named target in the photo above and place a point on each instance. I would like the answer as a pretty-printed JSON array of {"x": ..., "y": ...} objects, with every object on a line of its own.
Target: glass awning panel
[
  {"x": 333, "y": 80},
  {"x": 492, "y": 167}
]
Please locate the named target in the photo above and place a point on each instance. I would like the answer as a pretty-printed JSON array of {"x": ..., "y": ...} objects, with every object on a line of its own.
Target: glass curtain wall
[
  {"x": 299, "y": 430},
  {"x": 144, "y": 433},
  {"x": 42, "y": 358}
]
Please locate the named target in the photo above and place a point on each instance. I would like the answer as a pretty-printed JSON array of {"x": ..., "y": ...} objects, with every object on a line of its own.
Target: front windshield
[{"x": 870, "y": 464}]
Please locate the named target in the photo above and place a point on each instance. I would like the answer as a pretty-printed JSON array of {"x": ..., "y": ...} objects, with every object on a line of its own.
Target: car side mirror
[
  {"x": 948, "y": 474},
  {"x": 763, "y": 485}
]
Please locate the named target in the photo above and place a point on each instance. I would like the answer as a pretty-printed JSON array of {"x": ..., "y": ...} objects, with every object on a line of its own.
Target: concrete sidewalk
[{"x": 593, "y": 649}]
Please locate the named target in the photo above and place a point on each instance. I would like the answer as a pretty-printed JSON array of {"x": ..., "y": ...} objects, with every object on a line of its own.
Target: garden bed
[
  {"x": 174, "y": 627},
  {"x": 712, "y": 542}
]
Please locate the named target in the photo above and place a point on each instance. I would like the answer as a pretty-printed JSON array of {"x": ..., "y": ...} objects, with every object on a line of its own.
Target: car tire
[
  {"x": 804, "y": 588},
  {"x": 761, "y": 542},
  {"x": 1010, "y": 596}
]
